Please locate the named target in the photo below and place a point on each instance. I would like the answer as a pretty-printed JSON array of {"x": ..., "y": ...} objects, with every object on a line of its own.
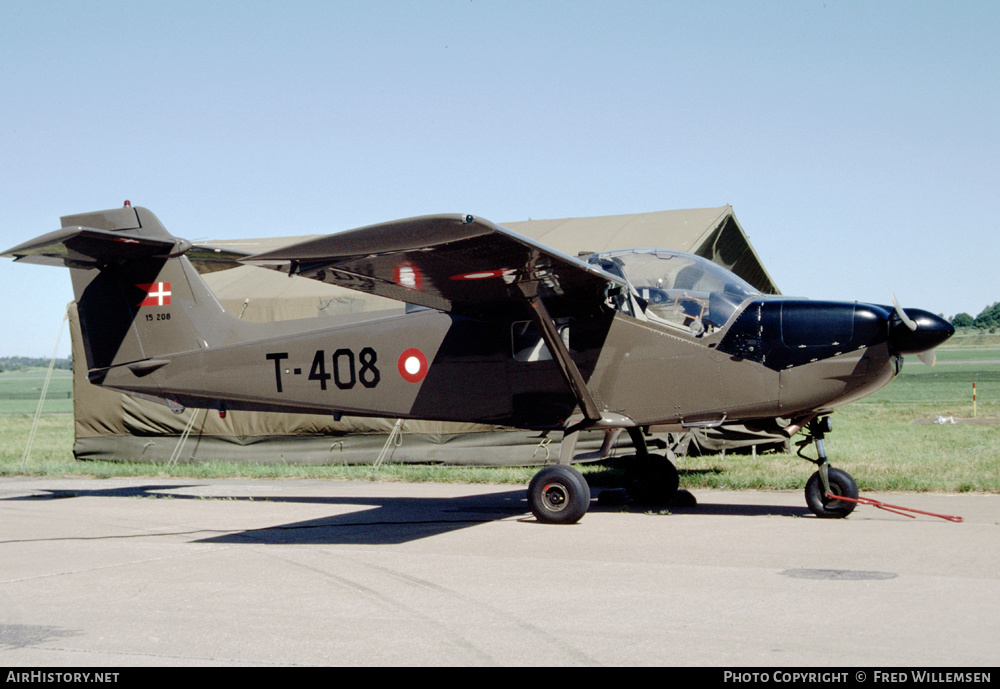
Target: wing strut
[{"x": 560, "y": 353}]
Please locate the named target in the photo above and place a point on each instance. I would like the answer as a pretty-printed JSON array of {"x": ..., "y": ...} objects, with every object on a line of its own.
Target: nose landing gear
[{"x": 827, "y": 485}]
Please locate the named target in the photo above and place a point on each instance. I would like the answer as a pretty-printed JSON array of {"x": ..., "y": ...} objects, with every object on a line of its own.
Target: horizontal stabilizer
[
  {"x": 90, "y": 247},
  {"x": 86, "y": 246}
]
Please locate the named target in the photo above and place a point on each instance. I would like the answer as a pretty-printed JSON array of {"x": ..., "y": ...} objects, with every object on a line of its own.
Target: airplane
[{"x": 498, "y": 329}]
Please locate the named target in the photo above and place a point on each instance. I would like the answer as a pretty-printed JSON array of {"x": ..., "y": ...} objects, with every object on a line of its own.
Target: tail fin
[{"x": 138, "y": 295}]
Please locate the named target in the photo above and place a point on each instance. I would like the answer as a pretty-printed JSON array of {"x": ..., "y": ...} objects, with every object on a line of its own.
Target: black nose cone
[{"x": 930, "y": 331}]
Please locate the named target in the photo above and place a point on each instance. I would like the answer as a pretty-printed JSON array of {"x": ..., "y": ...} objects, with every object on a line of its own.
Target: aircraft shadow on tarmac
[
  {"x": 395, "y": 520},
  {"x": 400, "y": 520}
]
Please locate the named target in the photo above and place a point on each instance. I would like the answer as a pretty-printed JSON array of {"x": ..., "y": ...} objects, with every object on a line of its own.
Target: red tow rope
[{"x": 893, "y": 508}]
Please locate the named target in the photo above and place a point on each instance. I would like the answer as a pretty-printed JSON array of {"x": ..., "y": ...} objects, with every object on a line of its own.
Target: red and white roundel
[{"x": 413, "y": 365}]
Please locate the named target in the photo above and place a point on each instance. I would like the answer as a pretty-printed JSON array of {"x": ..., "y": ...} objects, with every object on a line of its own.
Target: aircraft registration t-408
[{"x": 512, "y": 333}]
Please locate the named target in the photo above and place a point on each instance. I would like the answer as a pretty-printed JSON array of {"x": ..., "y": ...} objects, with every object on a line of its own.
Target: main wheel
[
  {"x": 825, "y": 507},
  {"x": 654, "y": 481},
  {"x": 558, "y": 494}
]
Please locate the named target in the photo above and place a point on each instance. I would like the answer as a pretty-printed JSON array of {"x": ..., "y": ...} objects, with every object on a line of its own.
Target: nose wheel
[
  {"x": 824, "y": 503},
  {"x": 825, "y": 487}
]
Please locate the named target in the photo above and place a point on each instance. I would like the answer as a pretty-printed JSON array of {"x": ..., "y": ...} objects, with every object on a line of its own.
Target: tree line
[{"x": 988, "y": 319}]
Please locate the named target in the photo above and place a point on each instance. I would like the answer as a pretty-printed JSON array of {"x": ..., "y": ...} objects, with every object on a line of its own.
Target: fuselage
[
  {"x": 775, "y": 357},
  {"x": 677, "y": 341}
]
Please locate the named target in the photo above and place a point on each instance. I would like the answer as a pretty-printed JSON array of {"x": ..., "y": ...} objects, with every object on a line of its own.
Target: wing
[{"x": 454, "y": 263}]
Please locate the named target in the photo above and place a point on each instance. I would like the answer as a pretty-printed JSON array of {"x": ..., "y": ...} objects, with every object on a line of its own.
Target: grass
[
  {"x": 877, "y": 440},
  {"x": 881, "y": 446}
]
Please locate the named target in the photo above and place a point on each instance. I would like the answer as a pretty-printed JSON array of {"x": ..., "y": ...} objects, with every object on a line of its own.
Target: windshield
[{"x": 677, "y": 288}]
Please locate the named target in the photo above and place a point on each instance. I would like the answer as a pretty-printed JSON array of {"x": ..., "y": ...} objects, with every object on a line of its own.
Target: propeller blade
[
  {"x": 928, "y": 357},
  {"x": 910, "y": 323}
]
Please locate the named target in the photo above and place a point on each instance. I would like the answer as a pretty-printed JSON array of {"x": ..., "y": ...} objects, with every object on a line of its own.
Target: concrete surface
[{"x": 116, "y": 573}]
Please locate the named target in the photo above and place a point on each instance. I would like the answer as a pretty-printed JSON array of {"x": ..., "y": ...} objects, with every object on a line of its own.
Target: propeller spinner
[{"x": 918, "y": 332}]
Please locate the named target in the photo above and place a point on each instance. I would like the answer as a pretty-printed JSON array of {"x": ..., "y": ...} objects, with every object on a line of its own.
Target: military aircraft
[{"x": 499, "y": 329}]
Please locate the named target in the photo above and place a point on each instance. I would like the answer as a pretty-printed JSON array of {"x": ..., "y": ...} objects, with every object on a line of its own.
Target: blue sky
[{"x": 856, "y": 141}]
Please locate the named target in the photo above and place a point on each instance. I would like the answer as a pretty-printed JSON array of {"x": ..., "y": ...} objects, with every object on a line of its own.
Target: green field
[
  {"x": 888, "y": 441},
  {"x": 20, "y": 391}
]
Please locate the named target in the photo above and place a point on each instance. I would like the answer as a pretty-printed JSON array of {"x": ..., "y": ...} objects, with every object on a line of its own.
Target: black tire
[
  {"x": 655, "y": 480},
  {"x": 558, "y": 494},
  {"x": 684, "y": 498},
  {"x": 841, "y": 483}
]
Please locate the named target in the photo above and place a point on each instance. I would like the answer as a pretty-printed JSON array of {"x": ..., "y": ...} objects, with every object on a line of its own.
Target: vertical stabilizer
[{"x": 138, "y": 296}]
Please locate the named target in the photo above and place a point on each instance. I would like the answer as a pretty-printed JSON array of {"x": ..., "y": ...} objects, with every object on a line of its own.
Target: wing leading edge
[{"x": 454, "y": 263}]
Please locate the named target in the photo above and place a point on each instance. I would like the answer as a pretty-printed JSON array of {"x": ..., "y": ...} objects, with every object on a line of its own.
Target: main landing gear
[
  {"x": 559, "y": 494},
  {"x": 825, "y": 486}
]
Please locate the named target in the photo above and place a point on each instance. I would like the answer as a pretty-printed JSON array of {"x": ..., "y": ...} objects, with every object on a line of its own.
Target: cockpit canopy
[{"x": 676, "y": 288}]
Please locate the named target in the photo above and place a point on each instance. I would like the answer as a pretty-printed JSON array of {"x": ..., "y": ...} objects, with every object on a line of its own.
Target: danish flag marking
[{"x": 157, "y": 294}]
